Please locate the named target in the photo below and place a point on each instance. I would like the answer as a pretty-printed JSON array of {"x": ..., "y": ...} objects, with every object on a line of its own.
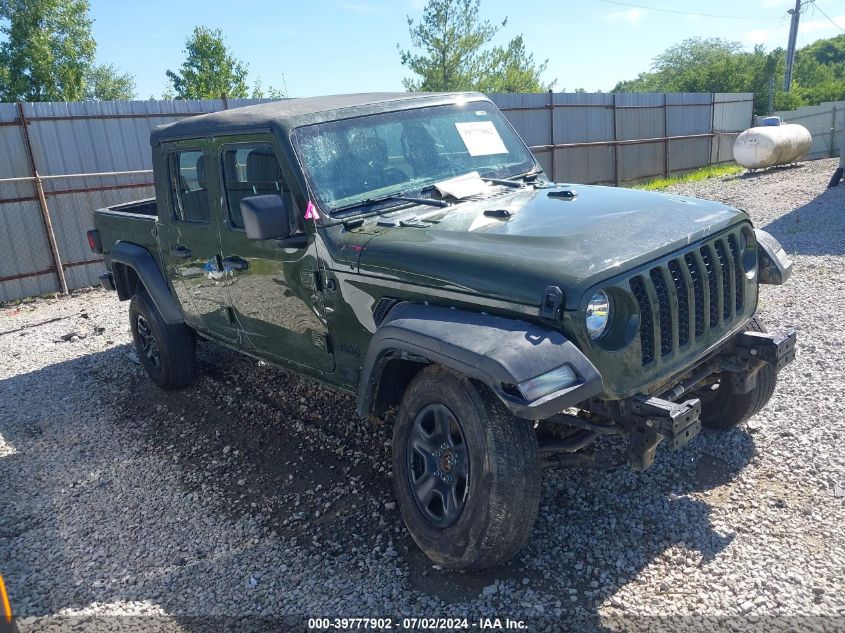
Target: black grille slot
[
  {"x": 727, "y": 306},
  {"x": 663, "y": 310},
  {"x": 646, "y": 327},
  {"x": 384, "y": 305},
  {"x": 711, "y": 277},
  {"x": 732, "y": 244},
  {"x": 701, "y": 290},
  {"x": 698, "y": 292},
  {"x": 683, "y": 302}
]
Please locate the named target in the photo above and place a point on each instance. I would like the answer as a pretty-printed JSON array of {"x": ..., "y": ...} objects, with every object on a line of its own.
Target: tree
[
  {"x": 258, "y": 91},
  {"x": 47, "y": 49},
  {"x": 716, "y": 65},
  {"x": 106, "y": 83},
  {"x": 457, "y": 54},
  {"x": 513, "y": 70},
  {"x": 209, "y": 70}
]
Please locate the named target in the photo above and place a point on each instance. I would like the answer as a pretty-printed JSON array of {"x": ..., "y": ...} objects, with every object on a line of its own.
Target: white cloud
[
  {"x": 778, "y": 36},
  {"x": 759, "y": 36},
  {"x": 822, "y": 25},
  {"x": 631, "y": 16}
]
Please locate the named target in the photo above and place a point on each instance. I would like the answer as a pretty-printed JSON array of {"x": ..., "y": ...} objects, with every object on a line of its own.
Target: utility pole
[{"x": 790, "y": 50}]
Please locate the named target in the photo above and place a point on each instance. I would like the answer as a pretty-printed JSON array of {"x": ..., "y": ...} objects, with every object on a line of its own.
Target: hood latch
[{"x": 550, "y": 305}]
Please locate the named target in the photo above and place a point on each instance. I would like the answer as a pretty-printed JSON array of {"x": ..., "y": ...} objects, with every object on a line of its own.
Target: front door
[
  {"x": 190, "y": 244},
  {"x": 273, "y": 291}
]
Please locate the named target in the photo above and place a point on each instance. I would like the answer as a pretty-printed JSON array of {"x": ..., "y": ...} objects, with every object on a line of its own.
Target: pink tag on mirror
[{"x": 311, "y": 212}]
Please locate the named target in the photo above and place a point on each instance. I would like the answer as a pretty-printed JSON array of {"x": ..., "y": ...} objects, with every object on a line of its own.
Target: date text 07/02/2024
[{"x": 418, "y": 623}]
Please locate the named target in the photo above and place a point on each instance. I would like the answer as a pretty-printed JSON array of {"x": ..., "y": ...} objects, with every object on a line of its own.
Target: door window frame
[
  {"x": 236, "y": 141},
  {"x": 174, "y": 202}
]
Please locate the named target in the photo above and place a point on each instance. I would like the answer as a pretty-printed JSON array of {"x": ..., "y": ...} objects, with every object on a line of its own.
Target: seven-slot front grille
[{"x": 680, "y": 300}]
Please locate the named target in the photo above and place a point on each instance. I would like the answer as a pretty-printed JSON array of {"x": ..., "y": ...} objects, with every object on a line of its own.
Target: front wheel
[
  {"x": 466, "y": 471},
  {"x": 721, "y": 409}
]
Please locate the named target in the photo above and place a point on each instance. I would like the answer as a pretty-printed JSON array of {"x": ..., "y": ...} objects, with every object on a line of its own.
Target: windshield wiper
[
  {"x": 505, "y": 183},
  {"x": 371, "y": 201},
  {"x": 531, "y": 175}
]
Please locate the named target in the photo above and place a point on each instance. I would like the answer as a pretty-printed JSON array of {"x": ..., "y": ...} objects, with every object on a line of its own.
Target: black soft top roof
[{"x": 283, "y": 116}]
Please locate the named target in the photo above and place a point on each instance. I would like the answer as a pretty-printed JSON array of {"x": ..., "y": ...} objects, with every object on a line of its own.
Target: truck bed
[
  {"x": 147, "y": 206},
  {"x": 128, "y": 222}
]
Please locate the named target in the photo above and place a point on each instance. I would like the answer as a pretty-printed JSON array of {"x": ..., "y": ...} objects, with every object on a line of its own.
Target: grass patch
[{"x": 711, "y": 171}]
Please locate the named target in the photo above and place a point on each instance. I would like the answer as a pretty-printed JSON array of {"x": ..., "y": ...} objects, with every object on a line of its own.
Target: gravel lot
[{"x": 257, "y": 493}]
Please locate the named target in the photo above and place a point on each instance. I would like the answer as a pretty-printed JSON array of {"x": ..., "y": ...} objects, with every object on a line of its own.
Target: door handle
[
  {"x": 235, "y": 263},
  {"x": 180, "y": 251}
]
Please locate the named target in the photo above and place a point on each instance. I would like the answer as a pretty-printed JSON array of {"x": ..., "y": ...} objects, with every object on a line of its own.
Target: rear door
[
  {"x": 273, "y": 291},
  {"x": 190, "y": 241}
]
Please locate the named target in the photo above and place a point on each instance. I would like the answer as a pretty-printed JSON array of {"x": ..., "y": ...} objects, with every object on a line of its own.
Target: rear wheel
[
  {"x": 721, "y": 409},
  {"x": 167, "y": 352},
  {"x": 466, "y": 472}
]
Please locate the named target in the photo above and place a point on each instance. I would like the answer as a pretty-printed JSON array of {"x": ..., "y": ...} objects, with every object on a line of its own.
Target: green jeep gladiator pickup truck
[{"x": 408, "y": 248}]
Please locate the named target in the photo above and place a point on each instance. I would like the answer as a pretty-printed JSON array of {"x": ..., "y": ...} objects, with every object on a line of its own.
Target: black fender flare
[
  {"x": 774, "y": 264},
  {"x": 145, "y": 266},
  {"x": 498, "y": 352}
]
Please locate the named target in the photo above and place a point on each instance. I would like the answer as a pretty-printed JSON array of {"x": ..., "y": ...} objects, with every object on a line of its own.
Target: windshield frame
[{"x": 412, "y": 187}]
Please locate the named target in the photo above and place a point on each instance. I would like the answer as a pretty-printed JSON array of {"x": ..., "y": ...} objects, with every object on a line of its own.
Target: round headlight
[{"x": 598, "y": 314}]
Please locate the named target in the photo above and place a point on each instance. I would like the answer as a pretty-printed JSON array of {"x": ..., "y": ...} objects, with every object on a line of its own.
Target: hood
[{"x": 547, "y": 240}]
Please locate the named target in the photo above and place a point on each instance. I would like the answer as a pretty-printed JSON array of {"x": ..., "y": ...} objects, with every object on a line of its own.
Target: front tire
[
  {"x": 167, "y": 352},
  {"x": 722, "y": 410},
  {"x": 466, "y": 472}
]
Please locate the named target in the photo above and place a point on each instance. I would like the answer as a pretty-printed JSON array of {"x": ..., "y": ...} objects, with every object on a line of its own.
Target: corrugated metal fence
[
  {"x": 613, "y": 138},
  {"x": 59, "y": 161},
  {"x": 825, "y": 123}
]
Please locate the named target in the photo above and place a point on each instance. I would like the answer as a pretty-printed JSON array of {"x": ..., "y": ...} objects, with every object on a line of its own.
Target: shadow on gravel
[
  {"x": 816, "y": 228},
  {"x": 759, "y": 173},
  {"x": 259, "y": 442}
]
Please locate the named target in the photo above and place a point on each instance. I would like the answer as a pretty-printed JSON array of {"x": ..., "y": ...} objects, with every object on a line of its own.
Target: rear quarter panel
[{"x": 115, "y": 226}]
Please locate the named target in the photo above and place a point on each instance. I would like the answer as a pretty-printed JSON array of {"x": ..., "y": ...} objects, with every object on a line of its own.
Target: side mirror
[{"x": 266, "y": 217}]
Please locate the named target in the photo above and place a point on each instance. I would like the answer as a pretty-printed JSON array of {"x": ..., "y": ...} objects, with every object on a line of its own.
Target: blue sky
[{"x": 333, "y": 46}]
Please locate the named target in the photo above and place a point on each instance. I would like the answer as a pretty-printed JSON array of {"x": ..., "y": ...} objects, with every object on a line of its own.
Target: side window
[
  {"x": 189, "y": 187},
  {"x": 249, "y": 170}
]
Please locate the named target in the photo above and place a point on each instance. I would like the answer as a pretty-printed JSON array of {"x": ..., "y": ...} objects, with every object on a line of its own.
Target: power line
[
  {"x": 832, "y": 21},
  {"x": 702, "y": 15}
]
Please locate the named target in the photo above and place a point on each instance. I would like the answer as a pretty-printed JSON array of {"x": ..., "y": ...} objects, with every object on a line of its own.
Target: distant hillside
[{"x": 718, "y": 65}]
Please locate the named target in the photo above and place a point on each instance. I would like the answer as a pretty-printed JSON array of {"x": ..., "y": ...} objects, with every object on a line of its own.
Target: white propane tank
[{"x": 770, "y": 145}]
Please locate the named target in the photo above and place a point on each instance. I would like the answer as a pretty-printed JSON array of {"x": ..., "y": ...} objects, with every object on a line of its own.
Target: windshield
[{"x": 351, "y": 161}]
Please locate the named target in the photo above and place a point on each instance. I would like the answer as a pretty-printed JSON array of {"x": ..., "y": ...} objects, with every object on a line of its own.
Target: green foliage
[
  {"x": 47, "y": 54},
  {"x": 717, "y": 65},
  {"x": 705, "y": 173},
  {"x": 259, "y": 92},
  {"x": 456, "y": 53},
  {"x": 47, "y": 49},
  {"x": 106, "y": 83},
  {"x": 209, "y": 70}
]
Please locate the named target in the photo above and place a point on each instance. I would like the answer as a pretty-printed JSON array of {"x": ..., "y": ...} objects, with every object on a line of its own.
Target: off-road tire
[
  {"x": 176, "y": 344},
  {"x": 503, "y": 485},
  {"x": 722, "y": 410}
]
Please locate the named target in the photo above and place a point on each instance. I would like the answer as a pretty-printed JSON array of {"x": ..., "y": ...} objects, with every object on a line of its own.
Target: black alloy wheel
[
  {"x": 438, "y": 465},
  {"x": 149, "y": 347}
]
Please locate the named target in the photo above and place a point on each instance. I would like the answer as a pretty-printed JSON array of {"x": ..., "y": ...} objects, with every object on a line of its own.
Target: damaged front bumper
[{"x": 669, "y": 414}]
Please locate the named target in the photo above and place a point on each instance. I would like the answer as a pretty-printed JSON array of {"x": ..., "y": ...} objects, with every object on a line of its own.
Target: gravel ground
[{"x": 254, "y": 493}]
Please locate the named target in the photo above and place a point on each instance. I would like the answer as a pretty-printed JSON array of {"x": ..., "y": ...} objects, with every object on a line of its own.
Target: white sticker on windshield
[{"x": 481, "y": 138}]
